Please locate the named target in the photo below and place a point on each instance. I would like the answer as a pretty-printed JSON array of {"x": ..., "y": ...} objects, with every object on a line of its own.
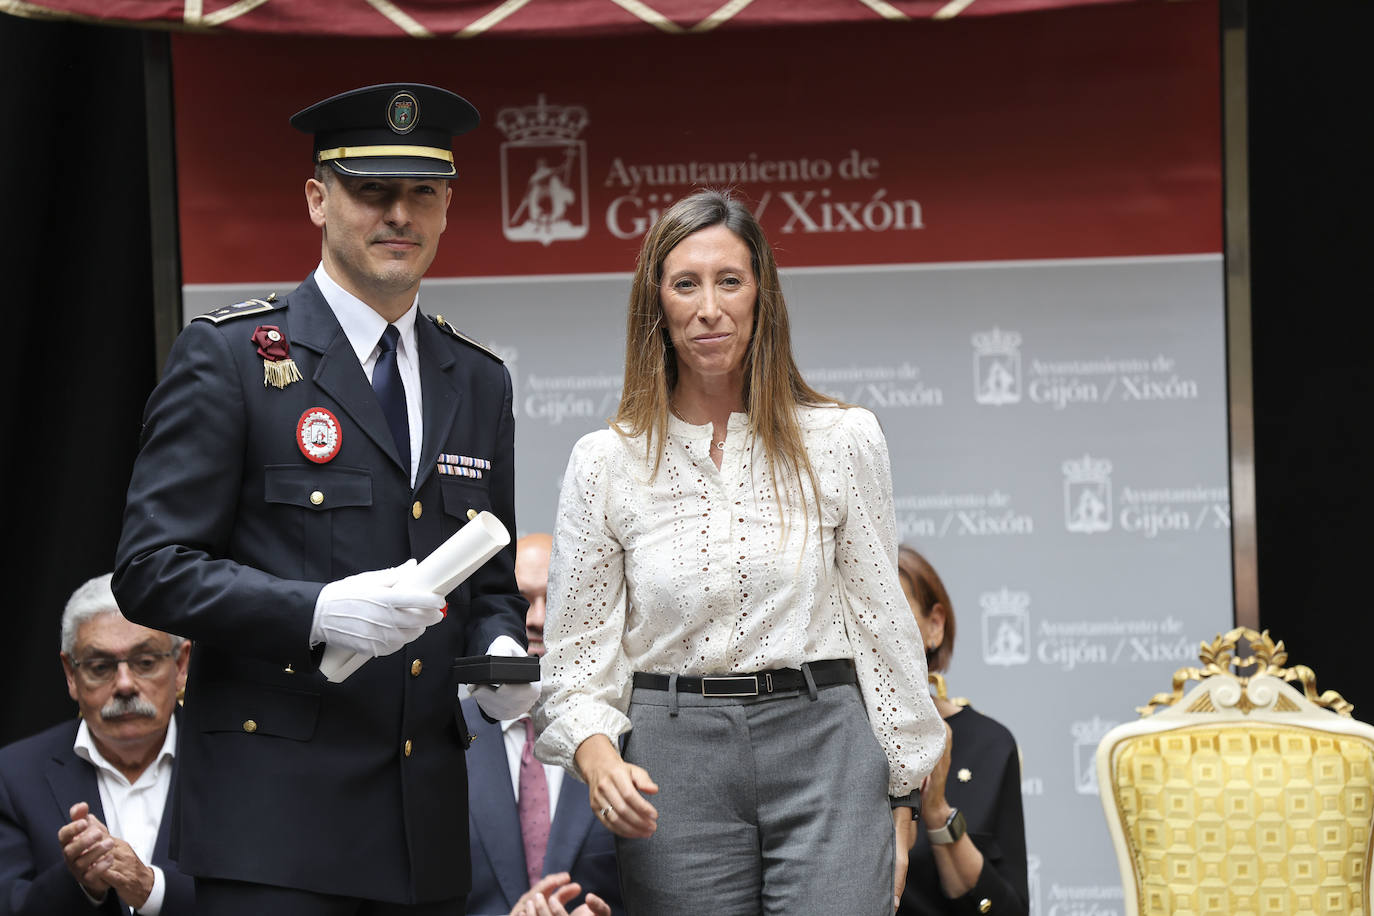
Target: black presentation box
[{"x": 496, "y": 669}]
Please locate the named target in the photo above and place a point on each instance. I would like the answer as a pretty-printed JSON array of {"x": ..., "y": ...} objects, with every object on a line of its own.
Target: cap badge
[
  {"x": 403, "y": 112},
  {"x": 278, "y": 368},
  {"x": 318, "y": 435}
]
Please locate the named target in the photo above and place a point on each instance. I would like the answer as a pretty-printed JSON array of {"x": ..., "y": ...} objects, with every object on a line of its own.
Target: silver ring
[{"x": 607, "y": 812}]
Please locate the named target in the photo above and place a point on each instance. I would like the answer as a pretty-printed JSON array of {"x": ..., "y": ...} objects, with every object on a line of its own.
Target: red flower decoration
[{"x": 272, "y": 345}]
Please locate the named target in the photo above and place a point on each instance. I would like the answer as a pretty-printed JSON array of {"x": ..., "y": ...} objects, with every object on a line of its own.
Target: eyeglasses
[{"x": 101, "y": 669}]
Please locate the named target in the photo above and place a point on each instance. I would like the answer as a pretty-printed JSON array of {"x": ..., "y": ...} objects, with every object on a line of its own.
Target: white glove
[
  {"x": 505, "y": 701},
  {"x": 366, "y": 615}
]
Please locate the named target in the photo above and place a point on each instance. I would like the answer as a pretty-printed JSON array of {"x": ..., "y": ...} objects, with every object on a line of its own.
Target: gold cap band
[{"x": 357, "y": 152}]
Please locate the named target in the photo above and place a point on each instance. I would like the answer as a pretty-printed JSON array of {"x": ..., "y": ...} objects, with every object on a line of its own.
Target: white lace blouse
[{"x": 694, "y": 572}]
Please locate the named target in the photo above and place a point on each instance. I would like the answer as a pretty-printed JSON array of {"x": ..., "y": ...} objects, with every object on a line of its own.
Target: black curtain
[
  {"x": 79, "y": 361},
  {"x": 1313, "y": 354}
]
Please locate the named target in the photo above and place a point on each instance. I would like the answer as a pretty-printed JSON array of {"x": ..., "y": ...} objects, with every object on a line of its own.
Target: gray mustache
[{"x": 128, "y": 706}]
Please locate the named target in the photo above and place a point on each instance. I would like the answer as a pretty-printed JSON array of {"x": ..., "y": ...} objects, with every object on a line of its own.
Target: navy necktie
[{"x": 386, "y": 381}]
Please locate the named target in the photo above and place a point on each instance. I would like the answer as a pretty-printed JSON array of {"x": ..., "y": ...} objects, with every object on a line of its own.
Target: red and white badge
[{"x": 318, "y": 435}]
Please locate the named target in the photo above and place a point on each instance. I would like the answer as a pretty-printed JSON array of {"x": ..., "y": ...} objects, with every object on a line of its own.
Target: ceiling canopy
[{"x": 511, "y": 18}]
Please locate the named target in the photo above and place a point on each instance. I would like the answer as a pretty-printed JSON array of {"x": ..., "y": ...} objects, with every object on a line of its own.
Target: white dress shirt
[
  {"x": 513, "y": 731},
  {"x": 363, "y": 327},
  {"x": 133, "y": 811},
  {"x": 695, "y": 572}
]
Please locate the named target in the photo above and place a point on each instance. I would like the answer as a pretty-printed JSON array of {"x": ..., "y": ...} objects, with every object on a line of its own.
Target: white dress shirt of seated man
[{"x": 125, "y": 679}]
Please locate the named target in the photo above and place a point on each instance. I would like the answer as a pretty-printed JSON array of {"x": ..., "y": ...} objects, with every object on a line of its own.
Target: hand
[
  {"x": 904, "y": 826},
  {"x": 505, "y": 701},
  {"x": 958, "y": 864},
  {"x": 550, "y": 894},
  {"x": 126, "y": 874},
  {"x": 614, "y": 788},
  {"x": 367, "y": 615},
  {"x": 118, "y": 867},
  {"x": 934, "y": 806},
  {"x": 85, "y": 841}
]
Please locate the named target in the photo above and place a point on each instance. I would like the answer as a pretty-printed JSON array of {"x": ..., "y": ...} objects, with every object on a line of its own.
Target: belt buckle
[{"x": 709, "y": 686}]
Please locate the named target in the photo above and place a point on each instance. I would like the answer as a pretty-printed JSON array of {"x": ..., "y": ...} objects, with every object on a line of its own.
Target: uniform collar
[{"x": 361, "y": 325}]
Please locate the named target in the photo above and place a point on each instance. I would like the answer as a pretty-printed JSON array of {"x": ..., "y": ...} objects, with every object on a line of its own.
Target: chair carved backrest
[{"x": 1244, "y": 794}]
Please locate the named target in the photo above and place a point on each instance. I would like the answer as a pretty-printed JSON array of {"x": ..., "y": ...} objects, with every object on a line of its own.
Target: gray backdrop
[{"x": 1058, "y": 434}]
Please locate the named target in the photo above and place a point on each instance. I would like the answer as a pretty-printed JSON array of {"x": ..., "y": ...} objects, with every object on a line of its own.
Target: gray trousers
[{"x": 772, "y": 806}]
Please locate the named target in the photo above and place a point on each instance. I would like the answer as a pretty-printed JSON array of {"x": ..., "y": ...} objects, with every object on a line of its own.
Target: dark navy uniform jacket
[{"x": 230, "y": 531}]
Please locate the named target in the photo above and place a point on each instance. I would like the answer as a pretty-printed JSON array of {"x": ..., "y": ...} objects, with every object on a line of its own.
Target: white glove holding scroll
[
  {"x": 367, "y": 614},
  {"x": 438, "y": 574}
]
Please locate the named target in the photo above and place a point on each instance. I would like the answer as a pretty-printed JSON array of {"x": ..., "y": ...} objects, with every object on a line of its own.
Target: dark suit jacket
[
  {"x": 578, "y": 844},
  {"x": 40, "y": 779},
  {"x": 229, "y": 534}
]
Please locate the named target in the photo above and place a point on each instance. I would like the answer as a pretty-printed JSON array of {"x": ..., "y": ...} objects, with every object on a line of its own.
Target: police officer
[{"x": 295, "y": 454}]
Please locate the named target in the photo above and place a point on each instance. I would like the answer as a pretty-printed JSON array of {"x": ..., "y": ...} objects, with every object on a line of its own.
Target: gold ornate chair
[{"x": 1244, "y": 796}]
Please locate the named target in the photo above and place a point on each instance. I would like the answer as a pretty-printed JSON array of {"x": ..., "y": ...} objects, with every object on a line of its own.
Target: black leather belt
[{"x": 824, "y": 674}]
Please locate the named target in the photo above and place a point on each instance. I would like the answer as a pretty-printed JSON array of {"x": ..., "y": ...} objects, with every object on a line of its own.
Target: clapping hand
[
  {"x": 549, "y": 896},
  {"x": 100, "y": 861}
]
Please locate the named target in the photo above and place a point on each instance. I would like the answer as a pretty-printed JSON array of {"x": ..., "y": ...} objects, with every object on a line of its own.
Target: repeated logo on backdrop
[
  {"x": 1011, "y": 637},
  {"x": 1087, "y": 495},
  {"x": 1006, "y": 627},
  {"x": 543, "y": 173},
  {"x": 997, "y": 367},
  {"x": 1087, "y": 735},
  {"x": 999, "y": 380},
  {"x": 1149, "y": 512},
  {"x": 546, "y": 196},
  {"x": 928, "y": 516},
  {"x": 878, "y": 387}
]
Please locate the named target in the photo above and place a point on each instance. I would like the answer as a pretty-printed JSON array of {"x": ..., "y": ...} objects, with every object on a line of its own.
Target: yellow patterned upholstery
[{"x": 1244, "y": 797}]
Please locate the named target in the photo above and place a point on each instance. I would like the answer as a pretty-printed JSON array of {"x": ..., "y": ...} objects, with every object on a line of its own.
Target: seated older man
[{"x": 81, "y": 804}]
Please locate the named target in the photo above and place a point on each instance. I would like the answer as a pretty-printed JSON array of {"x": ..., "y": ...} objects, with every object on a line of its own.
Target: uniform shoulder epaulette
[
  {"x": 459, "y": 335},
  {"x": 240, "y": 309}
]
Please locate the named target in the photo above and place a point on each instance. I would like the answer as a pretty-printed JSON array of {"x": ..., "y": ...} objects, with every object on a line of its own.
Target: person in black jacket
[
  {"x": 970, "y": 855},
  {"x": 297, "y": 453},
  {"x": 82, "y": 805}
]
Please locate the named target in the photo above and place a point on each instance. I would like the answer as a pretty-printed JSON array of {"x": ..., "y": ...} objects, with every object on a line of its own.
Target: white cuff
[{"x": 153, "y": 905}]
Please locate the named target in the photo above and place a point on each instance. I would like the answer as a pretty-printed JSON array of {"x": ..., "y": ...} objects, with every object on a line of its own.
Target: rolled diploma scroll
[{"x": 441, "y": 572}]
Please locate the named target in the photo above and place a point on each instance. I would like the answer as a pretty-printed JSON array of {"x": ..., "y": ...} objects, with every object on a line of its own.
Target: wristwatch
[{"x": 951, "y": 831}]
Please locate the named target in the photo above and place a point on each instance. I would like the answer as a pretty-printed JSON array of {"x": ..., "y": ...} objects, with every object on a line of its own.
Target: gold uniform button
[
  {"x": 985, "y": 905},
  {"x": 250, "y": 726},
  {"x": 316, "y": 498},
  {"x": 472, "y": 513},
  {"x": 417, "y": 509},
  {"x": 408, "y": 747},
  {"x": 416, "y": 667}
]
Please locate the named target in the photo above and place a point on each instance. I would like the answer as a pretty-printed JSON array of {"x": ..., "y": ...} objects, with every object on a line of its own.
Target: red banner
[
  {"x": 524, "y": 18},
  {"x": 1081, "y": 133}
]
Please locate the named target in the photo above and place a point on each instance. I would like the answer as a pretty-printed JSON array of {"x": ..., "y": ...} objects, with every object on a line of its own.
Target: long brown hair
[
  {"x": 773, "y": 386},
  {"x": 929, "y": 591}
]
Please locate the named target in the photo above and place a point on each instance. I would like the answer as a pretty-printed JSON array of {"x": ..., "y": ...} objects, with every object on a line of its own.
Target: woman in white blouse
[{"x": 724, "y": 603}]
